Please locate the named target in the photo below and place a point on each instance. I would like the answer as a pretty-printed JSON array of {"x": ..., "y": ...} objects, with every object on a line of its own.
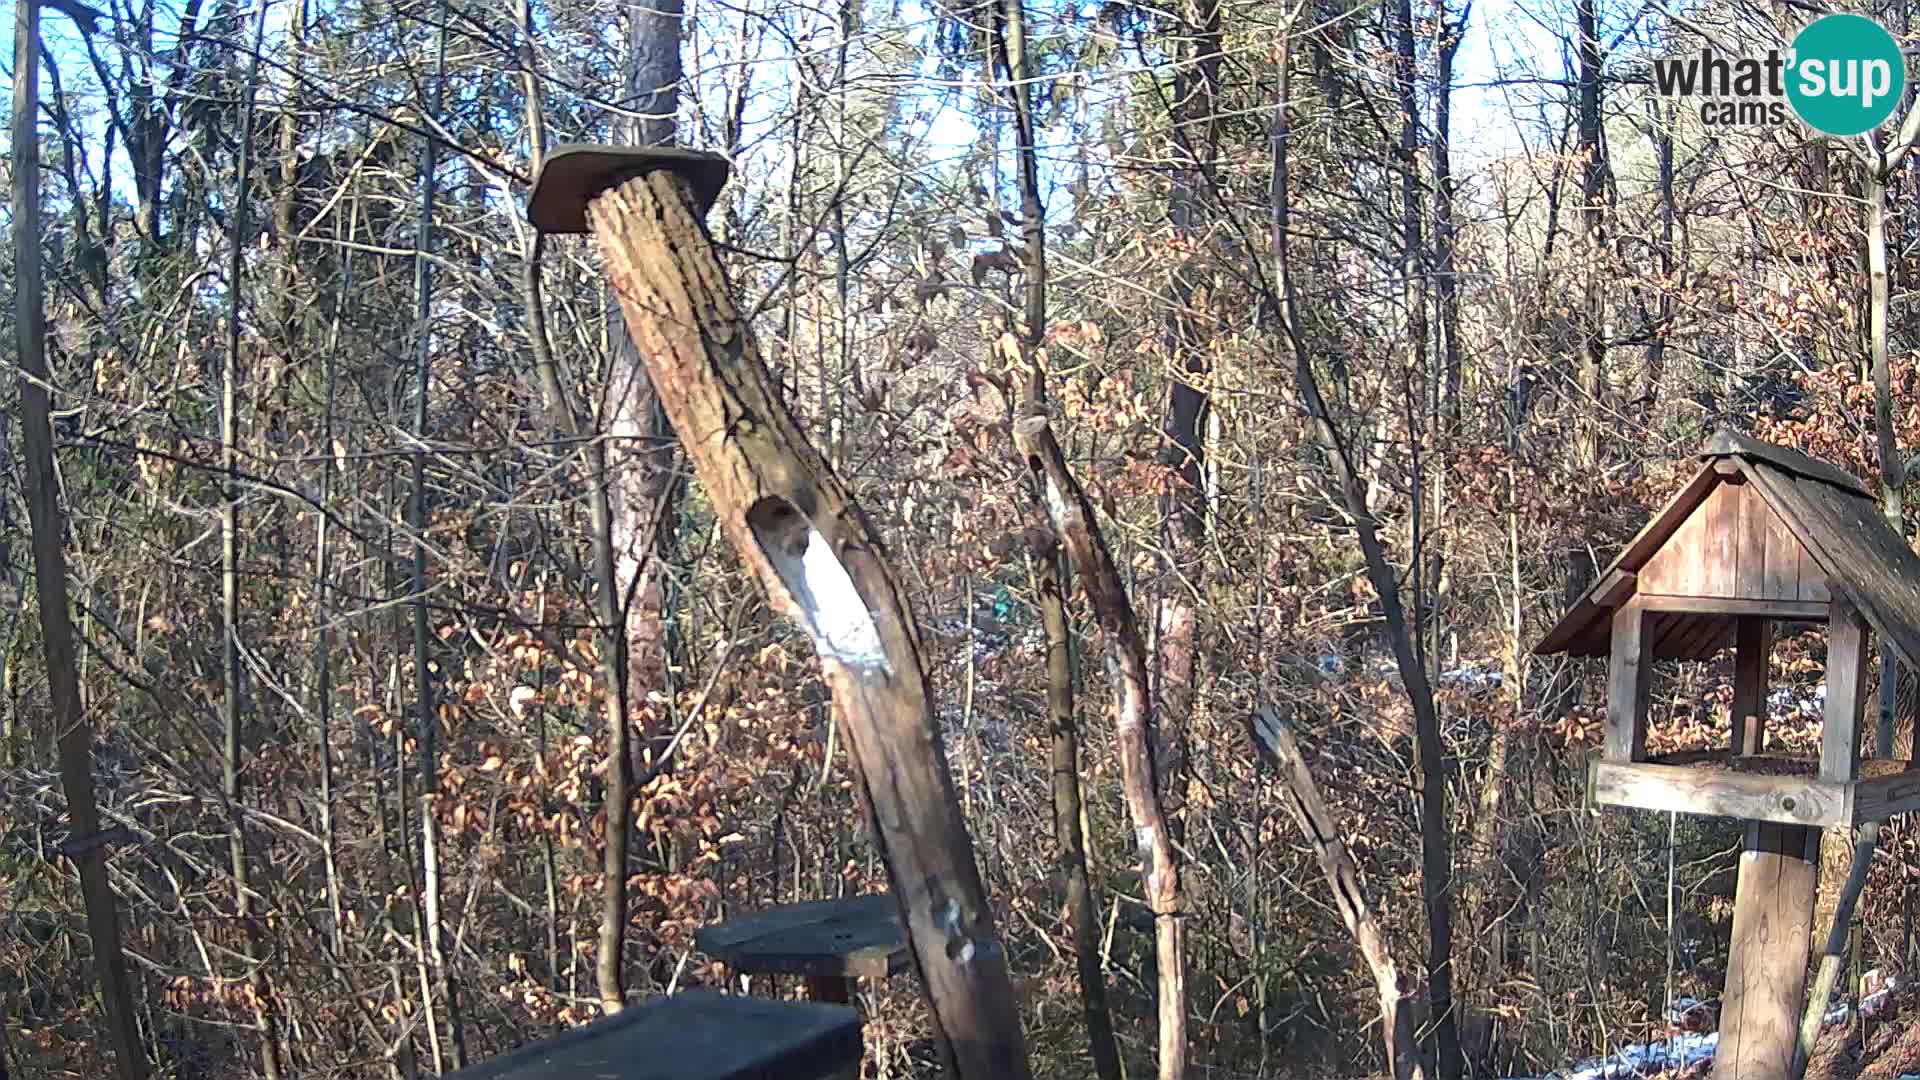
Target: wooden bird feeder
[{"x": 1761, "y": 535}]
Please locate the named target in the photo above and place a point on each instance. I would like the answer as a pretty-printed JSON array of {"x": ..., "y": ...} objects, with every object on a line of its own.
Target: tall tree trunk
[
  {"x": 1082, "y": 906},
  {"x": 426, "y": 716},
  {"x": 323, "y": 622},
  {"x": 1661, "y": 115},
  {"x": 1183, "y": 509},
  {"x": 1436, "y": 854},
  {"x": 45, "y": 522},
  {"x": 1593, "y": 172},
  {"x": 1893, "y": 467},
  {"x": 635, "y": 464},
  {"x": 1440, "y": 151},
  {"x": 243, "y": 894}
]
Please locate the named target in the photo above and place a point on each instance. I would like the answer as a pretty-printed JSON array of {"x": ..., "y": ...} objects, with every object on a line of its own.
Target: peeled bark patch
[{"x": 824, "y": 597}]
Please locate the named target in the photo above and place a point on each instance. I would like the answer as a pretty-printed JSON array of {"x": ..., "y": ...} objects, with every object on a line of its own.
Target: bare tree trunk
[
  {"x": 1184, "y": 509},
  {"x": 1275, "y": 735},
  {"x": 75, "y": 738},
  {"x": 1660, "y": 118},
  {"x": 1044, "y": 551},
  {"x": 1074, "y": 523},
  {"x": 1436, "y": 855},
  {"x": 1893, "y": 468},
  {"x": 635, "y": 465},
  {"x": 1592, "y": 183},
  {"x": 1446, "y": 273},
  {"x": 426, "y": 717},
  {"x": 565, "y": 421},
  {"x": 243, "y": 894},
  {"x": 323, "y": 631}
]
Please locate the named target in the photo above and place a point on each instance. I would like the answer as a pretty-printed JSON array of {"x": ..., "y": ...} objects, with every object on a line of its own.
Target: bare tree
[{"x": 87, "y": 846}]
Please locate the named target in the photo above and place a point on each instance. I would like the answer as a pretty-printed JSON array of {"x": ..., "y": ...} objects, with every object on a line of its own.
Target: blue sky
[{"x": 1501, "y": 33}]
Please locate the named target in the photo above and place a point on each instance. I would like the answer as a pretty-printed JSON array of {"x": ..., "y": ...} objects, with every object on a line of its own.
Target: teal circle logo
[{"x": 1848, "y": 75}]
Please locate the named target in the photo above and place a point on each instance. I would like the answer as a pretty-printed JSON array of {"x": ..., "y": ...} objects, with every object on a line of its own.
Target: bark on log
[
  {"x": 1073, "y": 520},
  {"x": 797, "y": 527},
  {"x": 1274, "y": 735}
]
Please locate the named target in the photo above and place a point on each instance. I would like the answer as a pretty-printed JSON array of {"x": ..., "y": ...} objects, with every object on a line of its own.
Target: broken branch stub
[
  {"x": 1072, "y": 517},
  {"x": 796, "y": 525}
]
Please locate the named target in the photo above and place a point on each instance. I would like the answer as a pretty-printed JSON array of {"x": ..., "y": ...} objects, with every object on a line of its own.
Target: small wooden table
[
  {"x": 829, "y": 943},
  {"x": 692, "y": 1036}
]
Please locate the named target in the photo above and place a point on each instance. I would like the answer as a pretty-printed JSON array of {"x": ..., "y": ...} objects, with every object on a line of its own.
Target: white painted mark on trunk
[{"x": 830, "y": 606}]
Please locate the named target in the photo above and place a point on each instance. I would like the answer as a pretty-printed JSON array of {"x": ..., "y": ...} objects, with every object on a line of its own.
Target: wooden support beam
[
  {"x": 1753, "y": 642},
  {"x": 1884, "y": 796},
  {"x": 1629, "y": 673},
  {"x": 1782, "y": 610},
  {"x": 1846, "y": 691},
  {"x": 796, "y": 527},
  {"x": 1691, "y": 789},
  {"x": 1767, "y": 963},
  {"x": 1614, "y": 589}
]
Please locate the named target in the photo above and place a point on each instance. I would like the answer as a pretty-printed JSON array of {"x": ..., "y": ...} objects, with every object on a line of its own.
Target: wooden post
[
  {"x": 1767, "y": 963},
  {"x": 831, "y": 989},
  {"x": 1846, "y": 691},
  {"x": 1753, "y": 641},
  {"x": 797, "y": 527},
  {"x": 1629, "y": 673}
]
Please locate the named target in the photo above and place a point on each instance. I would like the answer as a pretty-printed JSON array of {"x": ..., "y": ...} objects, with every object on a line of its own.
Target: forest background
[{"x": 373, "y": 523}]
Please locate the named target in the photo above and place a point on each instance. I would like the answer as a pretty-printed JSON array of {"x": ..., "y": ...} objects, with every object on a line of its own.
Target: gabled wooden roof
[{"x": 1832, "y": 515}]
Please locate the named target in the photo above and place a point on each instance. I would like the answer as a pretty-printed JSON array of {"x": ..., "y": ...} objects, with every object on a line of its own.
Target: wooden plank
[
  {"x": 1753, "y": 641},
  {"x": 1767, "y": 962},
  {"x": 1663, "y": 630},
  {"x": 692, "y": 1036},
  {"x": 1680, "y": 570},
  {"x": 1781, "y": 580},
  {"x": 1782, "y": 610},
  {"x": 1789, "y": 800},
  {"x": 1629, "y": 673},
  {"x": 1813, "y": 579},
  {"x": 1846, "y": 693},
  {"x": 1750, "y": 531},
  {"x": 855, "y": 937},
  {"x": 1882, "y": 797},
  {"x": 1727, "y": 441},
  {"x": 1719, "y": 554},
  {"x": 1614, "y": 589},
  {"x": 1702, "y": 636}
]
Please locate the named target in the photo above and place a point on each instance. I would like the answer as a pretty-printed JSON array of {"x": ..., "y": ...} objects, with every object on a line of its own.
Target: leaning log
[
  {"x": 1273, "y": 734},
  {"x": 821, "y": 562},
  {"x": 1072, "y": 517}
]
